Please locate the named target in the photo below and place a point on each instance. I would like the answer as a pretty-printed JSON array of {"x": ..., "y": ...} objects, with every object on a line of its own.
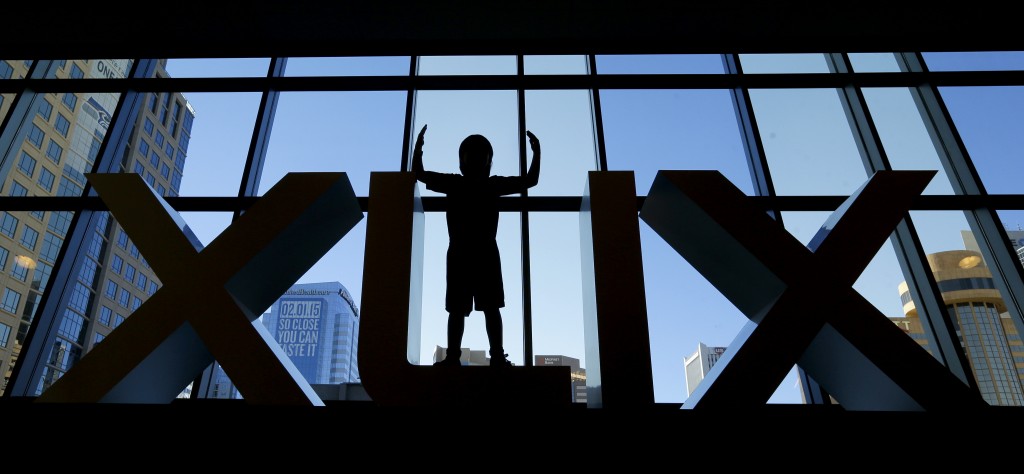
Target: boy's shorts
[{"x": 474, "y": 276}]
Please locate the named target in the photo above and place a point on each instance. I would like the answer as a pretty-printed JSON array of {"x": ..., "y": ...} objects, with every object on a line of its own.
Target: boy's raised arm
[
  {"x": 533, "y": 174},
  {"x": 417, "y": 155}
]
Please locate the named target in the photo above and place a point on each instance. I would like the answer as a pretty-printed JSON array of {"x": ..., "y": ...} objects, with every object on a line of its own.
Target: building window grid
[
  {"x": 45, "y": 110},
  {"x": 5, "y": 334},
  {"x": 8, "y": 224},
  {"x": 153, "y": 103},
  {"x": 123, "y": 298},
  {"x": 27, "y": 164},
  {"x": 35, "y": 136},
  {"x": 10, "y": 301}
]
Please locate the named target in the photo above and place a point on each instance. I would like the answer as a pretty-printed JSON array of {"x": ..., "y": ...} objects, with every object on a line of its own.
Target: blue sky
[{"x": 807, "y": 142}]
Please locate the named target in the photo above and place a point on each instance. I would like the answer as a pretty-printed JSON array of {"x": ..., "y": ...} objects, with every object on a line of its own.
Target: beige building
[
  {"x": 987, "y": 334},
  {"x": 58, "y": 143}
]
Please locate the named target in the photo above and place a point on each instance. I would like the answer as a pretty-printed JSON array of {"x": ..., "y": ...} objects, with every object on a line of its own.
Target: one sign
[{"x": 298, "y": 331}]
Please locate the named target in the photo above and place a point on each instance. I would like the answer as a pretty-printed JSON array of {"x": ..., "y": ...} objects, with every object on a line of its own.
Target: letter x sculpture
[
  {"x": 799, "y": 299},
  {"x": 207, "y": 307}
]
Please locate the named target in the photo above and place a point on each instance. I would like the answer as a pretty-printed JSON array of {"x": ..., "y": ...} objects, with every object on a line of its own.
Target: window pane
[
  {"x": 874, "y": 62},
  {"x": 651, "y": 130},
  {"x": 975, "y": 61},
  {"x": 348, "y": 66},
  {"x": 989, "y": 120},
  {"x": 783, "y": 63},
  {"x": 808, "y": 142},
  {"x": 660, "y": 64},
  {"x": 452, "y": 116},
  {"x": 557, "y": 287},
  {"x": 555, "y": 64},
  {"x": 466, "y": 65},
  {"x": 354, "y": 132},
  {"x": 563, "y": 122},
  {"x": 434, "y": 318},
  {"x": 904, "y": 136},
  {"x": 218, "y": 67}
]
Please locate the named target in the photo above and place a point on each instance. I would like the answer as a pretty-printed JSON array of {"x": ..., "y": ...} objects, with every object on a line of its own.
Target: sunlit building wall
[
  {"x": 60, "y": 145},
  {"x": 699, "y": 364},
  {"x": 987, "y": 333}
]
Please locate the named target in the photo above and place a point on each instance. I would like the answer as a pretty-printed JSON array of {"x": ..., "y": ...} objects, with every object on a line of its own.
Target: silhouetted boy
[{"x": 474, "y": 265}]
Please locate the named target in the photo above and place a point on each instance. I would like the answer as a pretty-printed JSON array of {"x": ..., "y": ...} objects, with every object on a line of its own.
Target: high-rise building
[
  {"x": 1015, "y": 237},
  {"x": 990, "y": 339},
  {"x": 317, "y": 326},
  {"x": 61, "y": 143},
  {"x": 699, "y": 364},
  {"x": 577, "y": 374}
]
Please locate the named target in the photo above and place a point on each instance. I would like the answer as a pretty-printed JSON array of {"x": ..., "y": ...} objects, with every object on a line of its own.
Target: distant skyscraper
[
  {"x": 1015, "y": 237},
  {"x": 62, "y": 142},
  {"x": 577, "y": 375},
  {"x": 987, "y": 334},
  {"x": 699, "y": 364},
  {"x": 317, "y": 326}
]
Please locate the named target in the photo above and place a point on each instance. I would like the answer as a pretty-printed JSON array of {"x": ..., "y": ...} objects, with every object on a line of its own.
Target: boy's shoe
[
  {"x": 500, "y": 361},
  {"x": 448, "y": 362}
]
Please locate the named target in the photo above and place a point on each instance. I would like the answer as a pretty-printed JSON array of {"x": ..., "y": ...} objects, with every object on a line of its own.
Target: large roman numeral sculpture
[
  {"x": 799, "y": 299},
  {"x": 211, "y": 297}
]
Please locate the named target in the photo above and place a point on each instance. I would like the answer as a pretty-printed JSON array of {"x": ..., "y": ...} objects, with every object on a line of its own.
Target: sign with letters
[{"x": 298, "y": 331}]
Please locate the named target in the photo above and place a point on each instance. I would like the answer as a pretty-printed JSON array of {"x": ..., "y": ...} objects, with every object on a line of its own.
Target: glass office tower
[
  {"x": 317, "y": 326},
  {"x": 58, "y": 142}
]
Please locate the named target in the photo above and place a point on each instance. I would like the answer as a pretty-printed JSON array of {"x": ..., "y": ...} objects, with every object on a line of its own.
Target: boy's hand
[
  {"x": 419, "y": 141},
  {"x": 534, "y": 142}
]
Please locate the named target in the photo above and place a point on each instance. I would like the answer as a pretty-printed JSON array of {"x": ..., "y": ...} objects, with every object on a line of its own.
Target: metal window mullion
[
  {"x": 257, "y": 155},
  {"x": 757, "y": 161},
  {"x": 598, "y": 118},
  {"x": 760, "y": 176},
  {"x": 988, "y": 229},
  {"x": 936, "y": 322},
  {"x": 410, "y": 117},
  {"x": 524, "y": 217},
  {"x": 43, "y": 332},
  {"x": 250, "y": 183}
]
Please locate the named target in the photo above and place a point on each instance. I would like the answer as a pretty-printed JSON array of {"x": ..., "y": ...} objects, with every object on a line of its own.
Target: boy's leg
[
  {"x": 456, "y": 326},
  {"x": 492, "y": 320}
]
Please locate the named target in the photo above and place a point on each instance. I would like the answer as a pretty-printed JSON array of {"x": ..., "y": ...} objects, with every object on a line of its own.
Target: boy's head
[{"x": 475, "y": 155}]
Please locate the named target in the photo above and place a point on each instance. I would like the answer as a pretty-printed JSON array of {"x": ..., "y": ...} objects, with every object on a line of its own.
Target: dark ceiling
[{"x": 391, "y": 27}]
